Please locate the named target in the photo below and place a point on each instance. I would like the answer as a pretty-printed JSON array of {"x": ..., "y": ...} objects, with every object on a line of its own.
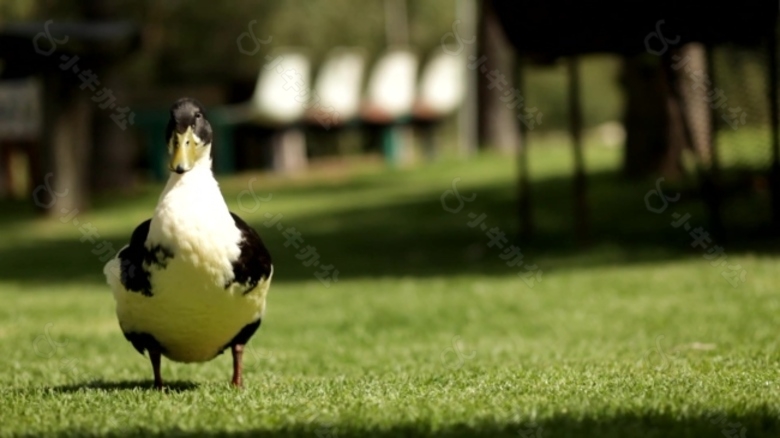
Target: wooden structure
[
  {"x": 544, "y": 32},
  {"x": 20, "y": 127},
  {"x": 65, "y": 56}
]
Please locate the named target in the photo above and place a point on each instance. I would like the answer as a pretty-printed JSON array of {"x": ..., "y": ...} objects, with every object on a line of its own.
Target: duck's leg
[
  {"x": 237, "y": 347},
  {"x": 238, "y": 354},
  {"x": 154, "y": 355}
]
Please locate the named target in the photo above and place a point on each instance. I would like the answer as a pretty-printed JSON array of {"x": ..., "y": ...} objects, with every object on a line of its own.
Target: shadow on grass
[
  {"x": 417, "y": 237},
  {"x": 129, "y": 385},
  {"x": 620, "y": 425}
]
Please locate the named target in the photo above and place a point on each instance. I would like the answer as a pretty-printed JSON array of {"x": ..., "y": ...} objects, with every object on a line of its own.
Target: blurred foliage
[
  {"x": 11, "y": 10},
  {"x": 547, "y": 89},
  {"x": 741, "y": 76},
  {"x": 195, "y": 41}
]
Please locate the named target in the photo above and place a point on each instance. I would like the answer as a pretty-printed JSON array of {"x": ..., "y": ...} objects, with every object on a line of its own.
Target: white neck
[
  {"x": 192, "y": 220},
  {"x": 192, "y": 193},
  {"x": 198, "y": 175}
]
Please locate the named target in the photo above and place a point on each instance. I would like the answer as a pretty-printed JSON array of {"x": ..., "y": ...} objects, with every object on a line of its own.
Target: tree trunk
[
  {"x": 67, "y": 141},
  {"x": 655, "y": 136},
  {"x": 497, "y": 123},
  {"x": 115, "y": 150},
  {"x": 695, "y": 106}
]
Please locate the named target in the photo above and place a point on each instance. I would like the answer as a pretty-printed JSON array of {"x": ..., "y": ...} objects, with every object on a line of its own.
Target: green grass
[{"x": 426, "y": 332}]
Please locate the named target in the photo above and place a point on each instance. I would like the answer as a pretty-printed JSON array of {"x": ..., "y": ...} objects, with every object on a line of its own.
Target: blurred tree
[
  {"x": 695, "y": 100},
  {"x": 654, "y": 133},
  {"x": 195, "y": 41},
  {"x": 497, "y": 122},
  {"x": 112, "y": 156}
]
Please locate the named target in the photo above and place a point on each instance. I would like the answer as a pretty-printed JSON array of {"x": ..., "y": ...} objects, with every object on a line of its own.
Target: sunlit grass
[{"x": 427, "y": 332}]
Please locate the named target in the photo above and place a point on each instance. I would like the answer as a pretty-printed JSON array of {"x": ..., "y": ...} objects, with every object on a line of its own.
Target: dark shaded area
[
  {"x": 647, "y": 121},
  {"x": 547, "y": 30},
  {"x": 417, "y": 237},
  {"x": 542, "y": 32},
  {"x": 143, "y": 342},
  {"x": 129, "y": 385},
  {"x": 756, "y": 424},
  {"x": 114, "y": 39}
]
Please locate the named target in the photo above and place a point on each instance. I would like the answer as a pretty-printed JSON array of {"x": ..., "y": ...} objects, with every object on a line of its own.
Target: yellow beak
[{"x": 183, "y": 152}]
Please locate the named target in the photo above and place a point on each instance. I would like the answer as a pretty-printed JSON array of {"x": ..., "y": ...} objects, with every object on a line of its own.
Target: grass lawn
[{"x": 427, "y": 332}]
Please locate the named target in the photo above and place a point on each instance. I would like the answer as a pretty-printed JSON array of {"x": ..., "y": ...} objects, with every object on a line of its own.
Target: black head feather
[{"x": 188, "y": 112}]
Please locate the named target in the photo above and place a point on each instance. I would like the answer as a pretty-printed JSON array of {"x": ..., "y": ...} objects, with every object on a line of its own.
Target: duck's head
[{"x": 189, "y": 136}]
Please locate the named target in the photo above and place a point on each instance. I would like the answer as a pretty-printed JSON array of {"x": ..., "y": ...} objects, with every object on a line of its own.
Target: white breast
[{"x": 192, "y": 220}]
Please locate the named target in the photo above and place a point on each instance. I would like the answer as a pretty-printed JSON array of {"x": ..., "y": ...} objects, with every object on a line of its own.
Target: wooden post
[
  {"x": 497, "y": 127},
  {"x": 774, "y": 177},
  {"x": 681, "y": 111},
  {"x": 581, "y": 224},
  {"x": 289, "y": 146},
  {"x": 524, "y": 206},
  {"x": 468, "y": 114},
  {"x": 711, "y": 183},
  {"x": 429, "y": 141}
]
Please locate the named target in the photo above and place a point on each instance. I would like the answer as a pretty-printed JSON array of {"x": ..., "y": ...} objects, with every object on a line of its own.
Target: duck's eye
[{"x": 198, "y": 115}]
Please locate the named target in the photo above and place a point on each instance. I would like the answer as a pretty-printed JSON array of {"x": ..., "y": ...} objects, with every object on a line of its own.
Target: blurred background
[
  {"x": 150, "y": 54},
  {"x": 581, "y": 118},
  {"x": 486, "y": 217}
]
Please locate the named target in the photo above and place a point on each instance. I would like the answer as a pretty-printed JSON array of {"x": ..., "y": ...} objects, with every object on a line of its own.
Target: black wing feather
[
  {"x": 254, "y": 263},
  {"x": 133, "y": 275},
  {"x": 144, "y": 341}
]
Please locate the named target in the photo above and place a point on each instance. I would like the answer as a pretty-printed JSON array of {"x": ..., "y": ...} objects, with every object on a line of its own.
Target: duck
[{"x": 193, "y": 280}]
